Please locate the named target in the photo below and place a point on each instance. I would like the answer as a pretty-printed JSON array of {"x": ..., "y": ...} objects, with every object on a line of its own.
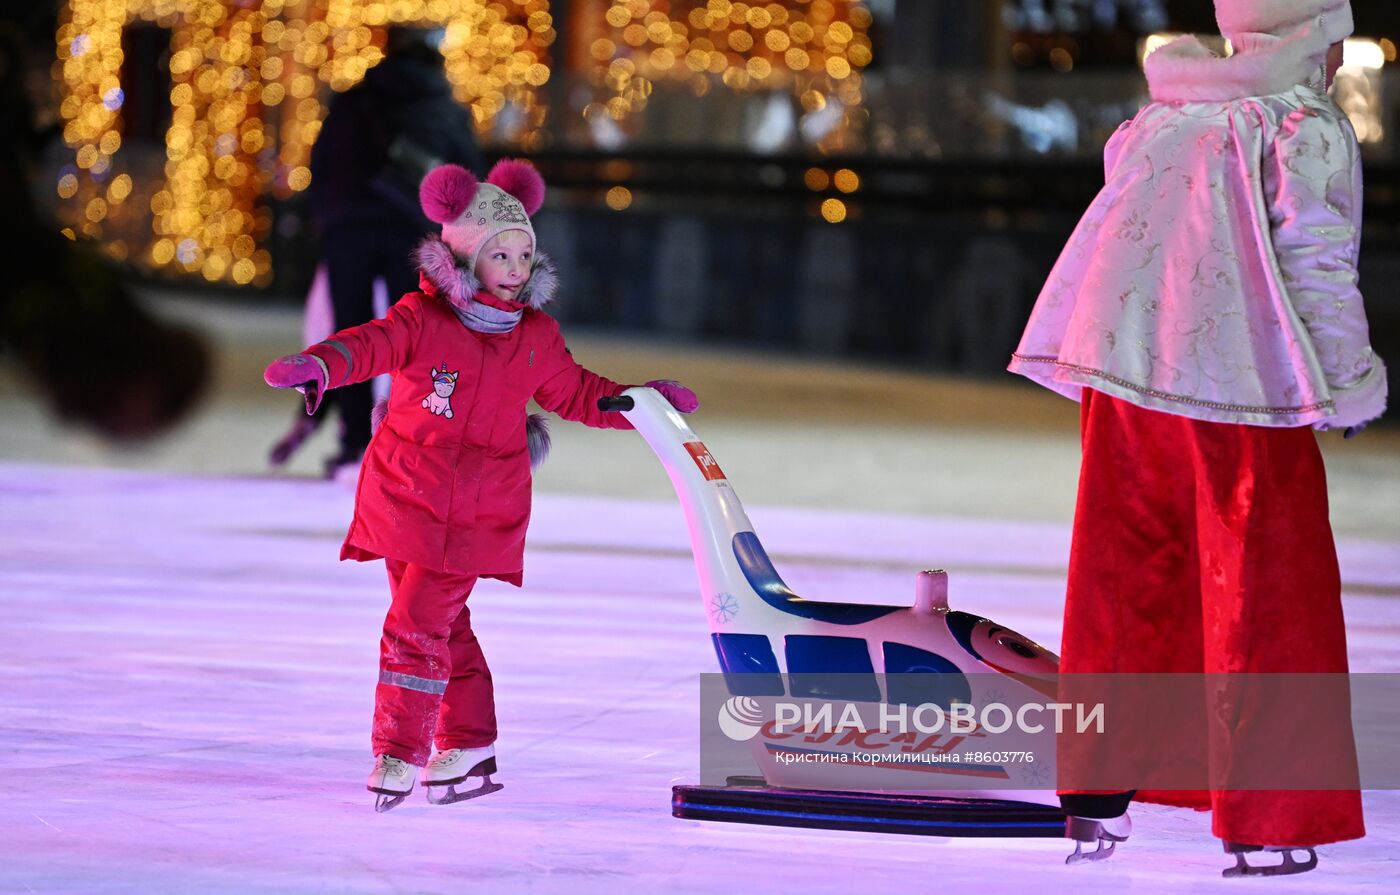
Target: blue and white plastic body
[{"x": 762, "y": 630}]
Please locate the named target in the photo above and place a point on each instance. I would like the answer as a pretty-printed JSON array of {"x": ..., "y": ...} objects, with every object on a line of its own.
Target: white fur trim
[
  {"x": 1279, "y": 45},
  {"x": 1360, "y": 402},
  {"x": 453, "y": 279},
  {"x": 377, "y": 413},
  {"x": 1185, "y": 70},
  {"x": 1264, "y": 64},
  {"x": 537, "y": 439},
  {"x": 543, "y": 285}
]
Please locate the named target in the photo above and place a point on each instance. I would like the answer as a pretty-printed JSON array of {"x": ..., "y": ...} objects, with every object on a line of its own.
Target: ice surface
[{"x": 186, "y": 677}]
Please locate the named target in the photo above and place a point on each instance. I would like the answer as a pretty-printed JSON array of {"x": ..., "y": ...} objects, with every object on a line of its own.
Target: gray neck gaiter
[{"x": 483, "y": 318}]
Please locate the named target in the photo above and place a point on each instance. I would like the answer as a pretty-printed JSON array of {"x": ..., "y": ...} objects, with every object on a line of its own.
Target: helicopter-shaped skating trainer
[{"x": 768, "y": 640}]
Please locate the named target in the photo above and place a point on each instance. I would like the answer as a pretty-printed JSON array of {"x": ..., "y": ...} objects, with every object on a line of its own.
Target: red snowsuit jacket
[{"x": 445, "y": 481}]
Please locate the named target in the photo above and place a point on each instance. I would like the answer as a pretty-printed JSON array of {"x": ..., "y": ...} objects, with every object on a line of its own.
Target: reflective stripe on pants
[{"x": 433, "y": 677}]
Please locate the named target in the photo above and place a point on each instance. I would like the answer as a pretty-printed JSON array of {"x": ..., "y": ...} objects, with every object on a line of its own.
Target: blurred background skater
[
  {"x": 376, "y": 144},
  {"x": 317, "y": 323}
]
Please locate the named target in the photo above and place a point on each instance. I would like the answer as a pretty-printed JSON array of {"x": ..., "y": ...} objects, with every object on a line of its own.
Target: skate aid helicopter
[{"x": 773, "y": 644}]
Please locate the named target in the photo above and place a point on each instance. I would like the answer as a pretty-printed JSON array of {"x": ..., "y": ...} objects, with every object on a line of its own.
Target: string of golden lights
[
  {"x": 816, "y": 48},
  {"x": 247, "y": 103}
]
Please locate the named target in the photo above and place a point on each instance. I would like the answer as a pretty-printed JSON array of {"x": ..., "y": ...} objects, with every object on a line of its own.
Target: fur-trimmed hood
[
  {"x": 1278, "y": 45},
  {"x": 452, "y": 278}
]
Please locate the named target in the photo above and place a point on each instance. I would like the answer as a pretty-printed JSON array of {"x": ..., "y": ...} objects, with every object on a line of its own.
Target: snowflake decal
[
  {"x": 724, "y": 607},
  {"x": 1035, "y": 774}
]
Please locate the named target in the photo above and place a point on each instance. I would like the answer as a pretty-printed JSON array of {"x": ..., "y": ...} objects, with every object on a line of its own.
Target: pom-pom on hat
[{"x": 472, "y": 212}]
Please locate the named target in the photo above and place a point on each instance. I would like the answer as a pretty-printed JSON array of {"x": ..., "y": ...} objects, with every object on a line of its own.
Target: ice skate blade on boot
[
  {"x": 1107, "y": 832},
  {"x": 1288, "y": 867},
  {"x": 391, "y": 780},
  {"x": 384, "y": 800},
  {"x": 444, "y": 792}
]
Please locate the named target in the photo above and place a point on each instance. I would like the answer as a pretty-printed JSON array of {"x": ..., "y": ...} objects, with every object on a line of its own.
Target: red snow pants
[
  {"x": 434, "y": 684},
  {"x": 1206, "y": 548}
]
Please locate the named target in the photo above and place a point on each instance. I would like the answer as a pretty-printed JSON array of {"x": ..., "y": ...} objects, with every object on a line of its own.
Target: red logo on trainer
[{"x": 701, "y": 454}]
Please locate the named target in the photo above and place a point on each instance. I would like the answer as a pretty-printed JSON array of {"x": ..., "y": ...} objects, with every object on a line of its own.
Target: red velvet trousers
[
  {"x": 434, "y": 685},
  {"x": 1206, "y": 547}
]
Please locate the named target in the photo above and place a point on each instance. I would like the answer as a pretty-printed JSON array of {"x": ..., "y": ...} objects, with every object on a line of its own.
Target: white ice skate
[
  {"x": 1100, "y": 830},
  {"x": 1288, "y": 867},
  {"x": 392, "y": 778},
  {"x": 455, "y": 766}
]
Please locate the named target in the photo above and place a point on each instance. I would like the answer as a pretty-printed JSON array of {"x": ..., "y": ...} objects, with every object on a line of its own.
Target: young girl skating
[{"x": 444, "y": 491}]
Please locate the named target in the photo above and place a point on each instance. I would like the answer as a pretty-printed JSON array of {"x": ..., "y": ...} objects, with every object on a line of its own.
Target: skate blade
[
  {"x": 383, "y": 801},
  {"x": 1085, "y": 831},
  {"x": 1103, "y": 852},
  {"x": 452, "y": 795},
  {"x": 1288, "y": 867},
  {"x": 484, "y": 768}
]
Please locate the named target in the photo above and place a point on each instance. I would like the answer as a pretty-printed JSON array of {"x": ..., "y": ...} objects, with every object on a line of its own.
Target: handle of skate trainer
[{"x": 616, "y": 402}]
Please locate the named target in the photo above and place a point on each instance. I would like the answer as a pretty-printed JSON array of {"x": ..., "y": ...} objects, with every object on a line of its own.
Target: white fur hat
[{"x": 1330, "y": 20}]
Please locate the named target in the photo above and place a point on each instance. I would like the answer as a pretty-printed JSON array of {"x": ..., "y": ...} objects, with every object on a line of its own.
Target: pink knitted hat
[{"x": 472, "y": 212}]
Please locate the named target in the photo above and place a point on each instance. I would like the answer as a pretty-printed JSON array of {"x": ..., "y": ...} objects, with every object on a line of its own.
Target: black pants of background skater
[{"x": 357, "y": 253}]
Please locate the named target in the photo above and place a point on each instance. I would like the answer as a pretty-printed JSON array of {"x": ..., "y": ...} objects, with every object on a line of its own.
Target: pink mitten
[
  {"x": 304, "y": 372},
  {"x": 681, "y": 398}
]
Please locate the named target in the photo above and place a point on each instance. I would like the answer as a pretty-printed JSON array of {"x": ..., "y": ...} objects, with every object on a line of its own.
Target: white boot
[
  {"x": 454, "y": 766},
  {"x": 1100, "y": 830},
  {"x": 392, "y": 778}
]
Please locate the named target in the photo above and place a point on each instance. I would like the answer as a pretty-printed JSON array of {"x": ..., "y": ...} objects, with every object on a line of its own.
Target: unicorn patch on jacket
[{"x": 439, "y": 400}]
